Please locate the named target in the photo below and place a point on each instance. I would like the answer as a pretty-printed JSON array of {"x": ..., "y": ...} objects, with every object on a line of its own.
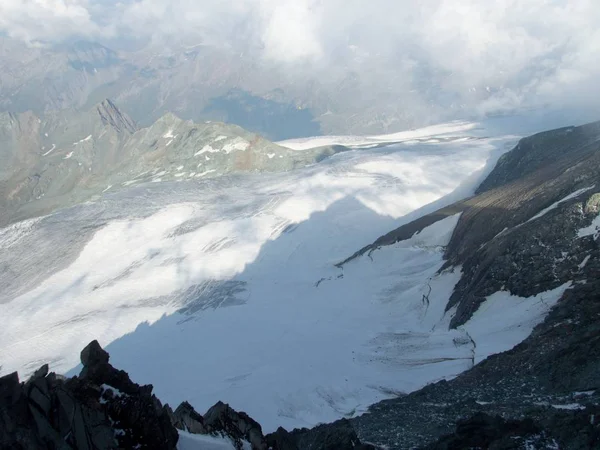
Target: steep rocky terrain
[{"x": 60, "y": 159}]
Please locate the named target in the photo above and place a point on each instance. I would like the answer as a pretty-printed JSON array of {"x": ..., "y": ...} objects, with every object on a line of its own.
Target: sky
[{"x": 533, "y": 51}]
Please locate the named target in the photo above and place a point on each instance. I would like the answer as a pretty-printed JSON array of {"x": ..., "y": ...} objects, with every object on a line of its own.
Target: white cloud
[
  {"x": 291, "y": 29},
  {"x": 472, "y": 54},
  {"x": 47, "y": 20}
]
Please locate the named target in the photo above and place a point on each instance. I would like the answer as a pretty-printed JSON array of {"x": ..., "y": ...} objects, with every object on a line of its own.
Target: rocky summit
[{"x": 103, "y": 408}]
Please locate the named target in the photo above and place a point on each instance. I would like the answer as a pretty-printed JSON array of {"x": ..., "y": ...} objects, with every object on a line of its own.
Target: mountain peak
[{"x": 111, "y": 115}]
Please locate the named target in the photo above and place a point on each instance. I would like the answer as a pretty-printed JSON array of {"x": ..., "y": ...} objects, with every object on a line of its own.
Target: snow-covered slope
[
  {"x": 226, "y": 289},
  {"x": 432, "y": 134}
]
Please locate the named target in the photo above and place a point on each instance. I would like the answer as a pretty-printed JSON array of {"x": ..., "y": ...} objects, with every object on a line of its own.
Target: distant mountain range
[
  {"x": 204, "y": 82},
  {"x": 62, "y": 158}
]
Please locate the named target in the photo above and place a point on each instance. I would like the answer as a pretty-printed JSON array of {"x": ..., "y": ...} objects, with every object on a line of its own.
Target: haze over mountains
[
  {"x": 191, "y": 186},
  {"x": 291, "y": 69}
]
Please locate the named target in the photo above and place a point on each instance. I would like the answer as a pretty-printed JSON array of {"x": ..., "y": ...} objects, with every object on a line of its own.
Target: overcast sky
[{"x": 548, "y": 49}]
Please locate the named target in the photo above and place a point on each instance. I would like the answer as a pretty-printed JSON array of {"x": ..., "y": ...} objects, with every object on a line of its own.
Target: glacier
[{"x": 227, "y": 288}]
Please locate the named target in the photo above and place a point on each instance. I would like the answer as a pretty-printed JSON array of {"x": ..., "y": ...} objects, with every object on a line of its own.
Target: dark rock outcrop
[
  {"x": 339, "y": 435},
  {"x": 485, "y": 431},
  {"x": 237, "y": 425},
  {"x": 576, "y": 431},
  {"x": 187, "y": 419},
  {"x": 281, "y": 439},
  {"x": 100, "y": 409}
]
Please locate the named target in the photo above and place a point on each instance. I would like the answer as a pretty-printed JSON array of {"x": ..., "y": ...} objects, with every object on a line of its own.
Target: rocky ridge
[
  {"x": 61, "y": 159},
  {"x": 103, "y": 408}
]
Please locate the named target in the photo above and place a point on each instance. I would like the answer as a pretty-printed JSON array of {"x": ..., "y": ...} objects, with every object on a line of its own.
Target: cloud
[
  {"x": 47, "y": 20},
  {"x": 471, "y": 54}
]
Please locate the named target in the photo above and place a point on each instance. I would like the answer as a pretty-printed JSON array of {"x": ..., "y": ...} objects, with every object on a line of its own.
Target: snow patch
[
  {"x": 220, "y": 138},
  {"x": 115, "y": 391},
  {"x": 83, "y": 140},
  {"x": 206, "y": 172},
  {"x": 592, "y": 229},
  {"x": 189, "y": 441},
  {"x": 575, "y": 194},
  {"x": 207, "y": 149},
  {"x": 584, "y": 262},
  {"x": 50, "y": 151},
  {"x": 504, "y": 320},
  {"x": 570, "y": 407},
  {"x": 237, "y": 144},
  {"x": 68, "y": 155},
  {"x": 270, "y": 155}
]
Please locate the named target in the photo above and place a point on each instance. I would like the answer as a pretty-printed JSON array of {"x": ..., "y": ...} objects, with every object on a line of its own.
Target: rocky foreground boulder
[{"x": 103, "y": 408}]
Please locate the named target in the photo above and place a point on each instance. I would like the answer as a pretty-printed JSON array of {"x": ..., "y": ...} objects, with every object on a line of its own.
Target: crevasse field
[{"x": 227, "y": 289}]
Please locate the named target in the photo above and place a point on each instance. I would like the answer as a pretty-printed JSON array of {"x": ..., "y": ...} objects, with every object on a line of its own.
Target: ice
[{"x": 227, "y": 289}]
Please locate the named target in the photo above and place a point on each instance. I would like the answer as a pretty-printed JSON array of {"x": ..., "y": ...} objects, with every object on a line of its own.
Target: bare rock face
[
  {"x": 339, "y": 435},
  {"x": 186, "y": 418},
  {"x": 46, "y": 413},
  {"x": 94, "y": 355},
  {"x": 101, "y": 409},
  {"x": 484, "y": 431},
  {"x": 238, "y": 425},
  {"x": 104, "y": 409}
]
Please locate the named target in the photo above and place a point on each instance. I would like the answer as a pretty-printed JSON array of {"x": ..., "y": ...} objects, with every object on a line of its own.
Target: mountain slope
[
  {"x": 532, "y": 227},
  {"x": 69, "y": 157},
  {"x": 254, "y": 255},
  {"x": 514, "y": 334}
]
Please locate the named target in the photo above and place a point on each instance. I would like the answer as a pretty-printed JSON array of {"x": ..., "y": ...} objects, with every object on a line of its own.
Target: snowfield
[{"x": 226, "y": 289}]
